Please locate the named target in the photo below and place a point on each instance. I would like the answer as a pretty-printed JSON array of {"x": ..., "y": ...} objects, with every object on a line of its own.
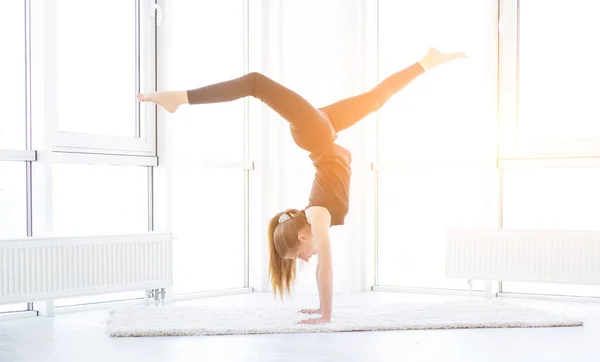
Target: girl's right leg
[
  {"x": 309, "y": 126},
  {"x": 348, "y": 112}
]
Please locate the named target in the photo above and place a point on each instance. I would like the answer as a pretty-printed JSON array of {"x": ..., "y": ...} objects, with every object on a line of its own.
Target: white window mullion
[
  {"x": 43, "y": 125},
  {"x": 507, "y": 78},
  {"x": 152, "y": 12},
  {"x": 247, "y": 157}
]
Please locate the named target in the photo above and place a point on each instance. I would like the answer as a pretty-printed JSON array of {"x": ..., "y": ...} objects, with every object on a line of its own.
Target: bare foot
[
  {"x": 170, "y": 101},
  {"x": 434, "y": 57}
]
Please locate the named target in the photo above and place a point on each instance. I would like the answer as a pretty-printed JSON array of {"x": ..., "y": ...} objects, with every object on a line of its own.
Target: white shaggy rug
[{"x": 173, "y": 320}]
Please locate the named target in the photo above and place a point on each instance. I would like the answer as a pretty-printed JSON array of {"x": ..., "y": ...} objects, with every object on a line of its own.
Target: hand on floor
[
  {"x": 434, "y": 57},
  {"x": 311, "y": 311},
  {"x": 320, "y": 320}
]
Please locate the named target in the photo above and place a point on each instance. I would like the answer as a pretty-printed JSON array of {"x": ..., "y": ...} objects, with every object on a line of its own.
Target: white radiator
[
  {"x": 48, "y": 268},
  {"x": 524, "y": 255}
]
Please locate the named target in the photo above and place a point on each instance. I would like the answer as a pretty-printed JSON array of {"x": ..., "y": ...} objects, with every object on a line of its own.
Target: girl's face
[
  {"x": 306, "y": 250},
  {"x": 306, "y": 246}
]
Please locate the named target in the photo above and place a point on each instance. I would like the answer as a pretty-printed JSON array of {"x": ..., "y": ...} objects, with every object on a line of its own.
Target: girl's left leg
[{"x": 310, "y": 128}]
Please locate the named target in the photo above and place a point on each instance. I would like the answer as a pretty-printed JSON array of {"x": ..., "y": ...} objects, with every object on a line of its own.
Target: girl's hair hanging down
[{"x": 283, "y": 232}]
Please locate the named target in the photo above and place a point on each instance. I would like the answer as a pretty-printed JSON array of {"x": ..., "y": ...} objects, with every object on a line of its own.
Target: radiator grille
[
  {"x": 524, "y": 255},
  {"x": 49, "y": 268}
]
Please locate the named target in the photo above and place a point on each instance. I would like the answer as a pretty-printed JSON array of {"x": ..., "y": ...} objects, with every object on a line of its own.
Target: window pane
[
  {"x": 96, "y": 60},
  {"x": 12, "y": 75},
  {"x": 99, "y": 199},
  {"x": 555, "y": 199},
  {"x": 199, "y": 58},
  {"x": 415, "y": 209},
  {"x": 448, "y": 112},
  {"x": 208, "y": 219},
  {"x": 558, "y": 90},
  {"x": 13, "y": 210},
  {"x": 13, "y": 200}
]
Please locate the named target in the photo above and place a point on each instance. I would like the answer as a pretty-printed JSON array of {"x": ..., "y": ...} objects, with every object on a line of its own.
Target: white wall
[{"x": 317, "y": 49}]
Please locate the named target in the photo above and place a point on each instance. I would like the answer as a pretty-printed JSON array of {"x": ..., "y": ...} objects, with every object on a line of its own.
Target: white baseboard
[{"x": 16, "y": 315}]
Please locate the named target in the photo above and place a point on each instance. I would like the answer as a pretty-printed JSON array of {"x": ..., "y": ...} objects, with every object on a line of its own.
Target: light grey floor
[{"x": 81, "y": 337}]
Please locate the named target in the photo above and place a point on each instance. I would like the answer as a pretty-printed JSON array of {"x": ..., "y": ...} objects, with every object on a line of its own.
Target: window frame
[
  {"x": 145, "y": 142},
  {"x": 372, "y": 61},
  {"x": 246, "y": 164}
]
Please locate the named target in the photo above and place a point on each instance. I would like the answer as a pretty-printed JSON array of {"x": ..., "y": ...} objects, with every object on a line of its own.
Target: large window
[
  {"x": 548, "y": 92},
  {"x": 208, "y": 143},
  {"x": 436, "y": 138},
  {"x": 552, "y": 199},
  {"x": 13, "y": 102},
  {"x": 558, "y": 72},
  {"x": 13, "y": 75},
  {"x": 100, "y": 58}
]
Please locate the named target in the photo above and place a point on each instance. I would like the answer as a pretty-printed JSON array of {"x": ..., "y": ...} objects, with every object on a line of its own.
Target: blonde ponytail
[{"x": 283, "y": 241}]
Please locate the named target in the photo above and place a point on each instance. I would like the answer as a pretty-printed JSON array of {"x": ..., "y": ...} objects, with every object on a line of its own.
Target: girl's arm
[
  {"x": 325, "y": 274},
  {"x": 319, "y": 219}
]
